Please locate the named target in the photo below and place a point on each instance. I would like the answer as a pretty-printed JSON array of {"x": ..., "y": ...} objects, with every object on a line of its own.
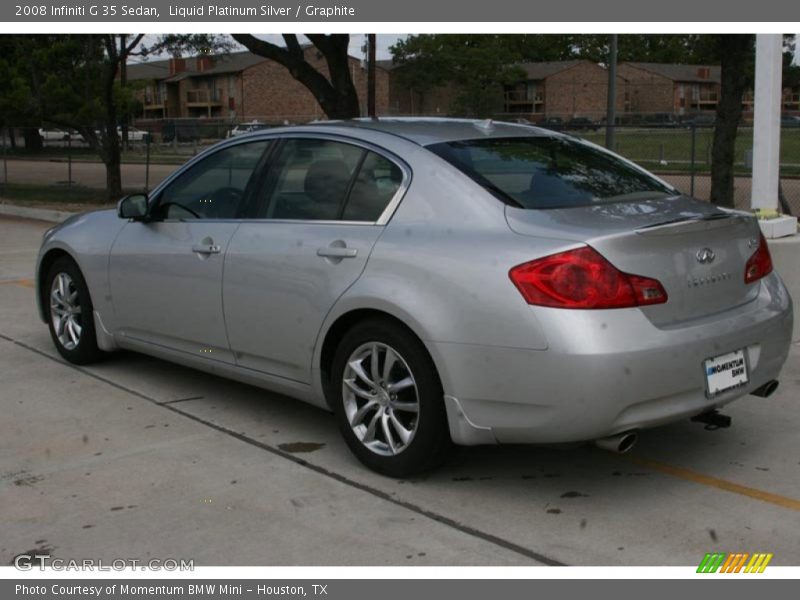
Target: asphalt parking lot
[{"x": 138, "y": 458}]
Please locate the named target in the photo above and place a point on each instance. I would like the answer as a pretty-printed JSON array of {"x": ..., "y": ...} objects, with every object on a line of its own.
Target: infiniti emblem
[{"x": 705, "y": 256}]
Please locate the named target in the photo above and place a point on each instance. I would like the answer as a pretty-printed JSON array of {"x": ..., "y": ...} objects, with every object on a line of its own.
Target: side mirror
[{"x": 133, "y": 207}]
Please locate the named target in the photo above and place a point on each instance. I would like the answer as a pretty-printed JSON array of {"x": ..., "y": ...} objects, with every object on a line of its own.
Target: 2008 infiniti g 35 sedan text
[{"x": 430, "y": 281}]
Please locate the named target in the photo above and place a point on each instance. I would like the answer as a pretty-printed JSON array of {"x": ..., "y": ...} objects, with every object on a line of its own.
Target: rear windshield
[{"x": 550, "y": 172}]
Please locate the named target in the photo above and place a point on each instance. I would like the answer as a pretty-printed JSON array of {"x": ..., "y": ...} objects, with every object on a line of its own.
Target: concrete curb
[{"x": 39, "y": 214}]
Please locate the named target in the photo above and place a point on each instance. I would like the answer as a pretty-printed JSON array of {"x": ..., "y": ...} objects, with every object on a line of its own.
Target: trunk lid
[{"x": 696, "y": 250}]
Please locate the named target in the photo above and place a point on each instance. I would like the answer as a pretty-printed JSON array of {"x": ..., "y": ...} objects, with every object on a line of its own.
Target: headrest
[{"x": 326, "y": 181}]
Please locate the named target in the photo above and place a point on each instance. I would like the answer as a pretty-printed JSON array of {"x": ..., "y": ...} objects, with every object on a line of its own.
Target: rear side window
[
  {"x": 550, "y": 172},
  {"x": 317, "y": 179},
  {"x": 375, "y": 185}
]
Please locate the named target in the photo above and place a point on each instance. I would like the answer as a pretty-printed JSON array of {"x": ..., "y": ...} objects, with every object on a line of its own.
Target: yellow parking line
[
  {"x": 720, "y": 484},
  {"x": 23, "y": 282}
]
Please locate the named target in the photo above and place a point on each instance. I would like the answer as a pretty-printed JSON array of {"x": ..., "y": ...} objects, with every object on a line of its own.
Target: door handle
[
  {"x": 206, "y": 249},
  {"x": 337, "y": 252}
]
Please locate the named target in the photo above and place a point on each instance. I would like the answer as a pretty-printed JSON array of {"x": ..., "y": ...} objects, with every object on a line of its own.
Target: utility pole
[
  {"x": 123, "y": 81},
  {"x": 611, "y": 107},
  {"x": 371, "y": 76},
  {"x": 767, "y": 121}
]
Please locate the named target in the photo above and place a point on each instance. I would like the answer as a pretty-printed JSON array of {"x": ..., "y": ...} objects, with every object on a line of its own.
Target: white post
[{"x": 767, "y": 121}]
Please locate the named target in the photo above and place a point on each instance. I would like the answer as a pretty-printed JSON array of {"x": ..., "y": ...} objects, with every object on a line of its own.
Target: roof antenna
[{"x": 487, "y": 125}]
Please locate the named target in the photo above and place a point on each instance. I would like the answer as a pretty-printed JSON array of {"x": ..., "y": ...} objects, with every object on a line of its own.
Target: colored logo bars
[{"x": 734, "y": 562}]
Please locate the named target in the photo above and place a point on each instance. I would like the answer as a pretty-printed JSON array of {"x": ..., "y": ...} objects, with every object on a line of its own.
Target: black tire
[
  {"x": 85, "y": 351},
  {"x": 431, "y": 442}
]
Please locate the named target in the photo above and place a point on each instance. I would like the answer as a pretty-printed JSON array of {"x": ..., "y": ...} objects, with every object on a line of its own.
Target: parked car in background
[
  {"x": 666, "y": 120},
  {"x": 552, "y": 123},
  {"x": 135, "y": 135},
  {"x": 431, "y": 281},
  {"x": 581, "y": 123},
  {"x": 181, "y": 130},
  {"x": 248, "y": 127},
  {"x": 51, "y": 135},
  {"x": 790, "y": 121},
  {"x": 700, "y": 121}
]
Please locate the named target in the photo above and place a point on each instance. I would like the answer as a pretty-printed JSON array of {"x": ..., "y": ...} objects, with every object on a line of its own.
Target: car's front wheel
[
  {"x": 389, "y": 400},
  {"x": 70, "y": 313}
]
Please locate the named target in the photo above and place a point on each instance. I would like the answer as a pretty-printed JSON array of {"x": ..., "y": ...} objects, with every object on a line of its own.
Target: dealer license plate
[{"x": 725, "y": 372}]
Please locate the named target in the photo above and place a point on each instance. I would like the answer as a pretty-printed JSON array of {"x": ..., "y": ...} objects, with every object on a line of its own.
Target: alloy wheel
[
  {"x": 65, "y": 311},
  {"x": 381, "y": 399}
]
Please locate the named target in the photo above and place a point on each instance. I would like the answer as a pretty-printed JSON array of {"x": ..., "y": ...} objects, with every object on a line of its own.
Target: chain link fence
[
  {"x": 681, "y": 155},
  {"x": 62, "y": 162}
]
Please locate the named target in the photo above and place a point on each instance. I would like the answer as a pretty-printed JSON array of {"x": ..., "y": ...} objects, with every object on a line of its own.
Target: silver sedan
[{"x": 431, "y": 282}]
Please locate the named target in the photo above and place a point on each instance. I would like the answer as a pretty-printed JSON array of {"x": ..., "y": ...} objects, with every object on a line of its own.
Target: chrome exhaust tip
[
  {"x": 766, "y": 390},
  {"x": 620, "y": 443}
]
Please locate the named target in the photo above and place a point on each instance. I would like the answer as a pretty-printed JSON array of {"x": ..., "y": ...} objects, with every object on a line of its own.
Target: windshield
[{"x": 550, "y": 172}]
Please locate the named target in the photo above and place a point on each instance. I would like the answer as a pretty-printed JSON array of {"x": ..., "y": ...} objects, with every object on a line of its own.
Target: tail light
[
  {"x": 760, "y": 264},
  {"x": 583, "y": 278}
]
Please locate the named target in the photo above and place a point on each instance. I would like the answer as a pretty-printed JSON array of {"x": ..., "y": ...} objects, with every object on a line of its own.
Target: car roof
[{"x": 426, "y": 131}]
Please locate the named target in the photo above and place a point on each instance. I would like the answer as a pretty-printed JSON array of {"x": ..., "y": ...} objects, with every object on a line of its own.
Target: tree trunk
[
  {"x": 33, "y": 141},
  {"x": 123, "y": 82},
  {"x": 112, "y": 158},
  {"x": 736, "y": 52},
  {"x": 345, "y": 103},
  {"x": 335, "y": 94},
  {"x": 112, "y": 155},
  {"x": 114, "y": 180}
]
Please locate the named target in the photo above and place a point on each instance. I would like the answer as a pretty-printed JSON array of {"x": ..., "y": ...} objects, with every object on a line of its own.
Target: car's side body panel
[
  {"x": 438, "y": 261},
  {"x": 87, "y": 238},
  {"x": 610, "y": 371},
  {"x": 165, "y": 293},
  {"x": 278, "y": 289}
]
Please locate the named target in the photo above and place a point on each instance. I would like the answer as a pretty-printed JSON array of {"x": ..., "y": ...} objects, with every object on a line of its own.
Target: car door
[
  {"x": 323, "y": 206},
  {"x": 165, "y": 273}
]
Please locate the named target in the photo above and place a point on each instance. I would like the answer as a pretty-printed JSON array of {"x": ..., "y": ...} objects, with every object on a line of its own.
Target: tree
[
  {"x": 737, "y": 61},
  {"x": 17, "y": 108},
  {"x": 477, "y": 66},
  {"x": 70, "y": 81},
  {"x": 73, "y": 82},
  {"x": 335, "y": 92},
  {"x": 659, "y": 48},
  {"x": 791, "y": 71}
]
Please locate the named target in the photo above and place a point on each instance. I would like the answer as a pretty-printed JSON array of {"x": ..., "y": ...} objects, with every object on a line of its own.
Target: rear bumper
[{"x": 605, "y": 372}]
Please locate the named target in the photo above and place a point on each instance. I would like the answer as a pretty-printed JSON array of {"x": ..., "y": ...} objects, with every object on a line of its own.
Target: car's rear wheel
[
  {"x": 70, "y": 313},
  {"x": 389, "y": 400}
]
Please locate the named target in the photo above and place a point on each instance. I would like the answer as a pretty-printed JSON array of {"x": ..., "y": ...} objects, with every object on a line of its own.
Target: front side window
[
  {"x": 324, "y": 180},
  {"x": 215, "y": 187},
  {"x": 550, "y": 172}
]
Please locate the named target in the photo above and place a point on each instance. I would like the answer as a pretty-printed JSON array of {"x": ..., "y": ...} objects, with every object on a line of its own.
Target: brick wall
[
  {"x": 438, "y": 101},
  {"x": 270, "y": 93},
  {"x": 265, "y": 91},
  {"x": 580, "y": 91},
  {"x": 648, "y": 91}
]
